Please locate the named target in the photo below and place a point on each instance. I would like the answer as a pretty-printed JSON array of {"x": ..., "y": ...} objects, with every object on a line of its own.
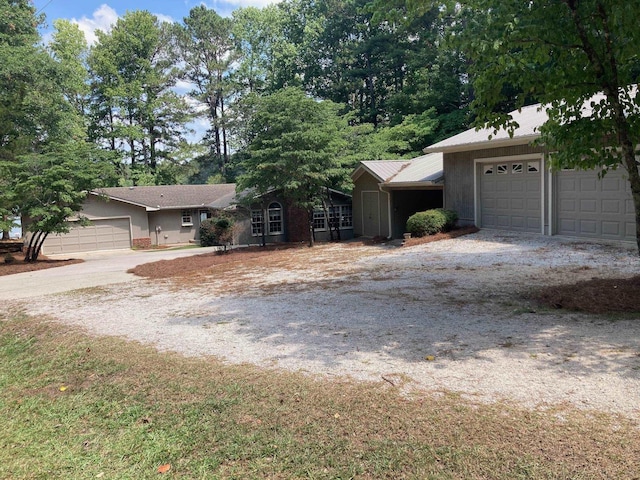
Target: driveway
[
  {"x": 449, "y": 316},
  {"x": 98, "y": 269}
]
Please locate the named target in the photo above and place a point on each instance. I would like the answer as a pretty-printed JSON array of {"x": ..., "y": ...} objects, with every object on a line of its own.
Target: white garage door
[
  {"x": 108, "y": 234},
  {"x": 510, "y": 196},
  {"x": 587, "y": 206}
]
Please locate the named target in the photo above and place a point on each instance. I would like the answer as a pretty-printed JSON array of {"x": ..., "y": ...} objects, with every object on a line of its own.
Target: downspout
[{"x": 390, "y": 235}]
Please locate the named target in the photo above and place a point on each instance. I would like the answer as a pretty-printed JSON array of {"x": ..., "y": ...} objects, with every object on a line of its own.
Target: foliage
[
  {"x": 431, "y": 222},
  {"x": 207, "y": 51},
  {"x": 216, "y": 231},
  {"x": 134, "y": 110},
  {"x": 294, "y": 146},
  {"x": 578, "y": 59}
]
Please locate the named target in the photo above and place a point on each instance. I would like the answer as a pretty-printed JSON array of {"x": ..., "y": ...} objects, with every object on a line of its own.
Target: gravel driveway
[{"x": 442, "y": 317}]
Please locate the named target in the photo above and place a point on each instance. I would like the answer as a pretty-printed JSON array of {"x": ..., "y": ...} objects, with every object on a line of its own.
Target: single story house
[
  {"x": 145, "y": 216},
  {"x": 387, "y": 192},
  {"x": 494, "y": 180}
]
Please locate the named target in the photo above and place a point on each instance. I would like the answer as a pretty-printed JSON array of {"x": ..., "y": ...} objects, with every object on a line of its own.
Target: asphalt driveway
[{"x": 98, "y": 269}]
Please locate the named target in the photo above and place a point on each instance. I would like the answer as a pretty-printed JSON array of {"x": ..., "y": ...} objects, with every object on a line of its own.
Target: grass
[{"x": 75, "y": 406}]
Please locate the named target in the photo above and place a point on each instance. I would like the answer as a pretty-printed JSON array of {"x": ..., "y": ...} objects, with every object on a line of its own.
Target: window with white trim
[
  {"x": 319, "y": 221},
  {"x": 516, "y": 168},
  {"x": 256, "y": 222},
  {"x": 187, "y": 219},
  {"x": 275, "y": 218},
  {"x": 346, "y": 216},
  {"x": 488, "y": 170},
  {"x": 502, "y": 169}
]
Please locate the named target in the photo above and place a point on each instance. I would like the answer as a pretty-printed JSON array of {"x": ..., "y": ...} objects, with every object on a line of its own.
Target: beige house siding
[
  {"x": 365, "y": 189},
  {"x": 99, "y": 207},
  {"x": 172, "y": 231},
  {"x": 459, "y": 194}
]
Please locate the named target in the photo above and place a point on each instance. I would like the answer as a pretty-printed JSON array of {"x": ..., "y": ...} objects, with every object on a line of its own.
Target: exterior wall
[
  {"x": 458, "y": 174},
  {"x": 99, "y": 207},
  {"x": 366, "y": 184},
  {"x": 172, "y": 231},
  {"x": 407, "y": 202}
]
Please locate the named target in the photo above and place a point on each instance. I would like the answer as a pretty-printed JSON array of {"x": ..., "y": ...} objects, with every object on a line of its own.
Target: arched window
[{"x": 275, "y": 218}]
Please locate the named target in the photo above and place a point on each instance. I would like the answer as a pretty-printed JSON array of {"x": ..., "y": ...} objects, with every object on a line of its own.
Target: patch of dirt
[
  {"x": 611, "y": 295},
  {"x": 20, "y": 266}
]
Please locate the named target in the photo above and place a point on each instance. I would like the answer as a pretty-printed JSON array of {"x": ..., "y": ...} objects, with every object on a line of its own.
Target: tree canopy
[{"x": 294, "y": 148}]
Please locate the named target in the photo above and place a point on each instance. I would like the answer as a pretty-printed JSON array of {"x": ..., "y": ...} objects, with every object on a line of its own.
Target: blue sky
[{"x": 95, "y": 14}]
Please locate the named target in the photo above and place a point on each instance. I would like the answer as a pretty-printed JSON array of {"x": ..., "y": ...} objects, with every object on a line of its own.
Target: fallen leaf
[
  {"x": 164, "y": 468},
  {"x": 429, "y": 358},
  {"x": 337, "y": 415},
  {"x": 62, "y": 388}
]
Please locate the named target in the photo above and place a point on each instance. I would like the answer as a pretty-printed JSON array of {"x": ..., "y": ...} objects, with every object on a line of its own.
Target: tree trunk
[{"x": 310, "y": 217}]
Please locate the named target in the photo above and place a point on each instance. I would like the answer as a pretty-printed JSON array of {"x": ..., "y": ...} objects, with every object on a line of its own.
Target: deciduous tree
[{"x": 294, "y": 148}]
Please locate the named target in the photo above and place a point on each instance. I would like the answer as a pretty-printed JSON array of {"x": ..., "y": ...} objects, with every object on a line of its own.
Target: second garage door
[
  {"x": 587, "y": 206},
  {"x": 510, "y": 196},
  {"x": 105, "y": 234}
]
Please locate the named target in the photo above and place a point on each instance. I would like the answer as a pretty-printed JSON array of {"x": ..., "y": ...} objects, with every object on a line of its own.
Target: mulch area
[
  {"x": 612, "y": 295},
  {"x": 18, "y": 265},
  {"x": 180, "y": 267}
]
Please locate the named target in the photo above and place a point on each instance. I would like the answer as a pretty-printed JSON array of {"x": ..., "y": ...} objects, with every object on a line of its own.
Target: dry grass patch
[{"x": 126, "y": 409}]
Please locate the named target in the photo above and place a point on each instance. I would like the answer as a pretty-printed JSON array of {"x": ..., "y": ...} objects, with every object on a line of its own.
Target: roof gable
[
  {"x": 382, "y": 170},
  {"x": 423, "y": 170}
]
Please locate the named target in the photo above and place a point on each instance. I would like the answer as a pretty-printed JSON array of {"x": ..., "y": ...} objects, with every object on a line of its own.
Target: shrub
[
  {"x": 216, "y": 231},
  {"x": 8, "y": 258},
  {"x": 431, "y": 222}
]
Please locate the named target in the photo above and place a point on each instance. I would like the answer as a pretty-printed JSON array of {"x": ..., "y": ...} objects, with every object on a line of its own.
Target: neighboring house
[
  {"x": 144, "y": 216},
  {"x": 125, "y": 217},
  {"x": 387, "y": 192},
  {"x": 499, "y": 181}
]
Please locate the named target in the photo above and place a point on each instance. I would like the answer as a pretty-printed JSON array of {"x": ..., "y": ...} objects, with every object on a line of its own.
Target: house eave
[
  {"x": 414, "y": 185},
  {"x": 484, "y": 145}
]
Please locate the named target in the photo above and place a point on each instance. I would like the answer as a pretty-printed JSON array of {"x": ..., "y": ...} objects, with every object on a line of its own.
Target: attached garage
[
  {"x": 510, "y": 195},
  {"x": 501, "y": 180},
  {"x": 588, "y": 206},
  {"x": 102, "y": 234}
]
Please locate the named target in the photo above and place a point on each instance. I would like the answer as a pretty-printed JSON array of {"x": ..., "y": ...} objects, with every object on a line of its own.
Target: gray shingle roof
[
  {"x": 528, "y": 118},
  {"x": 164, "y": 197}
]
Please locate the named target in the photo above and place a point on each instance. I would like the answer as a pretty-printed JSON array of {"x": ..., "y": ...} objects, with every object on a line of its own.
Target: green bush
[
  {"x": 216, "y": 231},
  {"x": 431, "y": 222}
]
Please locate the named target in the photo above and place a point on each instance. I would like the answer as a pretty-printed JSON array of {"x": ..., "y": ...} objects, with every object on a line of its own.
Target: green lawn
[{"x": 74, "y": 406}]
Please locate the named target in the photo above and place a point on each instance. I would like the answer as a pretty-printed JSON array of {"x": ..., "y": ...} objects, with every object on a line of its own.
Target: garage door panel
[
  {"x": 605, "y": 207},
  {"x": 612, "y": 206},
  {"x": 588, "y": 206},
  {"x": 510, "y": 197},
  {"x": 101, "y": 234},
  {"x": 588, "y": 226},
  {"x": 611, "y": 229}
]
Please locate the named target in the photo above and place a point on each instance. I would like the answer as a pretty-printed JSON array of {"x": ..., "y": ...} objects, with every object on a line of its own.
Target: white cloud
[
  {"x": 103, "y": 19},
  {"x": 164, "y": 18}
]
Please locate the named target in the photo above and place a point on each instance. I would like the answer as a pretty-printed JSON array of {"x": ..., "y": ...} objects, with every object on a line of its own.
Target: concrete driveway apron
[{"x": 98, "y": 268}]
